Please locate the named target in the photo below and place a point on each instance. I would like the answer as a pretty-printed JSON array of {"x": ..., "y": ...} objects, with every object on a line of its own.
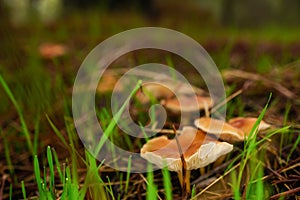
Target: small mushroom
[
  {"x": 107, "y": 84},
  {"x": 199, "y": 150},
  {"x": 166, "y": 90},
  {"x": 236, "y": 130},
  {"x": 155, "y": 90},
  {"x": 246, "y": 124},
  {"x": 187, "y": 106},
  {"x": 52, "y": 50}
]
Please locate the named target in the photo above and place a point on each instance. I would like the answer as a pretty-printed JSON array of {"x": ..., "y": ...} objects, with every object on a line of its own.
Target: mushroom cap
[
  {"x": 107, "y": 84},
  {"x": 198, "y": 149},
  {"x": 158, "y": 91},
  {"x": 224, "y": 130},
  {"x": 246, "y": 124},
  {"x": 164, "y": 90},
  {"x": 52, "y": 50},
  {"x": 236, "y": 130},
  {"x": 187, "y": 103},
  {"x": 188, "y": 89}
]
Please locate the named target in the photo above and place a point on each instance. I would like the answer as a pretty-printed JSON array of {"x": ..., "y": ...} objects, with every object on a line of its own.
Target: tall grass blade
[
  {"x": 151, "y": 187},
  {"x": 128, "y": 174},
  {"x": 167, "y": 183},
  {"x": 116, "y": 118},
  {"x": 7, "y": 156},
  {"x": 51, "y": 167},
  {"x": 57, "y": 132},
  {"x": 260, "y": 184},
  {"x": 295, "y": 145},
  {"x": 10, "y": 191},
  {"x": 250, "y": 144},
  {"x": 37, "y": 174},
  {"x": 193, "y": 193},
  {"x": 235, "y": 186},
  {"x": 93, "y": 181},
  {"x": 110, "y": 190},
  {"x": 23, "y": 190},
  {"x": 19, "y": 111},
  {"x": 60, "y": 174},
  {"x": 36, "y": 135}
]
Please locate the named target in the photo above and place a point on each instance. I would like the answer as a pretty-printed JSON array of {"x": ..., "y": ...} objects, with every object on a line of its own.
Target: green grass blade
[
  {"x": 253, "y": 131},
  {"x": 144, "y": 132},
  {"x": 128, "y": 173},
  {"x": 19, "y": 111},
  {"x": 116, "y": 118},
  {"x": 57, "y": 132},
  {"x": 295, "y": 145},
  {"x": 235, "y": 186},
  {"x": 60, "y": 174},
  {"x": 45, "y": 180},
  {"x": 36, "y": 135},
  {"x": 10, "y": 191},
  {"x": 37, "y": 174},
  {"x": 193, "y": 193},
  {"x": 167, "y": 183},
  {"x": 281, "y": 130},
  {"x": 95, "y": 190},
  {"x": 250, "y": 144},
  {"x": 51, "y": 167},
  {"x": 151, "y": 187},
  {"x": 7, "y": 156},
  {"x": 23, "y": 190},
  {"x": 70, "y": 132},
  {"x": 260, "y": 184},
  {"x": 110, "y": 190}
]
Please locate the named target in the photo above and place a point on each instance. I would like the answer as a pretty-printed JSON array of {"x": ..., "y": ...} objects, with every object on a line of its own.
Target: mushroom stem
[
  {"x": 206, "y": 109},
  {"x": 202, "y": 170},
  {"x": 188, "y": 182},
  {"x": 184, "y": 173},
  {"x": 180, "y": 178},
  {"x": 219, "y": 161}
]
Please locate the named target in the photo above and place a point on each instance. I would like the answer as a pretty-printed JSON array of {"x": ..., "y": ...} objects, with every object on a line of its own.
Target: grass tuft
[{"x": 20, "y": 113}]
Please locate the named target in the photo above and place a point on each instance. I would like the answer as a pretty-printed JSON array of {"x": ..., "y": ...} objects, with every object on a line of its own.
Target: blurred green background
[{"x": 251, "y": 35}]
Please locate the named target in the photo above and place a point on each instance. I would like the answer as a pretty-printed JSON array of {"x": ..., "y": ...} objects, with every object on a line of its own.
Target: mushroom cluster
[
  {"x": 197, "y": 146},
  {"x": 208, "y": 141}
]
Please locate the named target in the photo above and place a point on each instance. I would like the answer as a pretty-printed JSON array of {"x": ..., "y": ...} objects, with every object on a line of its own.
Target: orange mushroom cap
[
  {"x": 198, "y": 149},
  {"x": 236, "y": 130},
  {"x": 224, "y": 130},
  {"x": 158, "y": 91},
  {"x": 52, "y": 50},
  {"x": 246, "y": 124},
  {"x": 187, "y": 103}
]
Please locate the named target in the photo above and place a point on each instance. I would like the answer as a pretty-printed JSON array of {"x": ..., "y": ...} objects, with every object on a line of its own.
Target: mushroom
[
  {"x": 246, "y": 124},
  {"x": 186, "y": 104},
  {"x": 236, "y": 130},
  {"x": 164, "y": 90},
  {"x": 107, "y": 84},
  {"x": 199, "y": 150},
  {"x": 190, "y": 100},
  {"x": 52, "y": 50},
  {"x": 154, "y": 90}
]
